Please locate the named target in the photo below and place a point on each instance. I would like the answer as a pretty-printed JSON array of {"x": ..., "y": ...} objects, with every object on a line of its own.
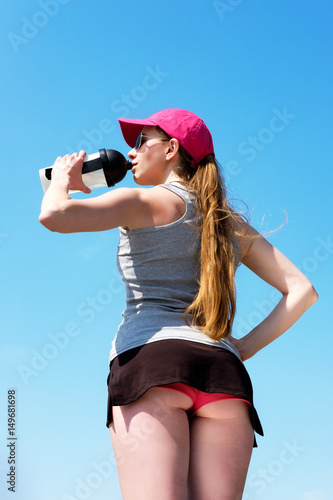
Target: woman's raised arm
[{"x": 61, "y": 213}]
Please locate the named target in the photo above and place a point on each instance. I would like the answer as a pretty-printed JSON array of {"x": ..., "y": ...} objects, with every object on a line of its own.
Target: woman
[{"x": 180, "y": 408}]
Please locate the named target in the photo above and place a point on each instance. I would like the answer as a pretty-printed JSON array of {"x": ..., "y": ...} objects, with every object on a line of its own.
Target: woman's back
[{"x": 160, "y": 267}]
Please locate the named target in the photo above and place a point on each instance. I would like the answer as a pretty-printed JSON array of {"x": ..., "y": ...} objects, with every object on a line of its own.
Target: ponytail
[{"x": 213, "y": 309}]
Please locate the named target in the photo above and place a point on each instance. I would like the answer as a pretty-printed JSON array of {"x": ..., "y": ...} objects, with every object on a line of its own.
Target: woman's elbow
[
  {"x": 309, "y": 293},
  {"x": 45, "y": 220},
  {"x": 51, "y": 222},
  {"x": 314, "y": 295},
  {"x": 303, "y": 292}
]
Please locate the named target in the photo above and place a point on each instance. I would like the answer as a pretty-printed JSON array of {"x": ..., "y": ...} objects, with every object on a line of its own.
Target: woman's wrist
[
  {"x": 246, "y": 347},
  {"x": 243, "y": 347},
  {"x": 54, "y": 198}
]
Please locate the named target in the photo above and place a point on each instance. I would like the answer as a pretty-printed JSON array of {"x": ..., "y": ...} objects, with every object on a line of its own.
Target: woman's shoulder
[
  {"x": 242, "y": 233},
  {"x": 161, "y": 206}
]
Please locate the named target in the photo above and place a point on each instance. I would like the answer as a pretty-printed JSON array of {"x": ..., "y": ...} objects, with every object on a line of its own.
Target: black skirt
[{"x": 204, "y": 367}]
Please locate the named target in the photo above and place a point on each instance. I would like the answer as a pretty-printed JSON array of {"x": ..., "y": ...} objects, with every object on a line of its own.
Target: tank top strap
[
  {"x": 177, "y": 188},
  {"x": 189, "y": 198}
]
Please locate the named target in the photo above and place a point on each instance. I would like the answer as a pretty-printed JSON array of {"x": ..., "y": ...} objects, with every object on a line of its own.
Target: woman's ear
[{"x": 173, "y": 148}]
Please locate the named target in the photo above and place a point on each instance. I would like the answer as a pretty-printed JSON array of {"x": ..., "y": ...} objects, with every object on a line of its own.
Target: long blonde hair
[{"x": 214, "y": 307}]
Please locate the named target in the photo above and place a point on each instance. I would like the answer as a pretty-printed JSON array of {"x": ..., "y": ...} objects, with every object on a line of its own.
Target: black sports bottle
[{"x": 105, "y": 168}]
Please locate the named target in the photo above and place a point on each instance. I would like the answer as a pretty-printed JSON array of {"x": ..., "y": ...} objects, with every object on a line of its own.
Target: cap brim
[{"x": 131, "y": 128}]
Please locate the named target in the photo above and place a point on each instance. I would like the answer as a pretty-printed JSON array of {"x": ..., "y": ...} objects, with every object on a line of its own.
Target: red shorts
[{"x": 199, "y": 398}]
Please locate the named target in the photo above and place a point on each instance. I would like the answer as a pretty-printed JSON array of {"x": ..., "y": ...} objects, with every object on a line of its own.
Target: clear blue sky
[{"x": 259, "y": 73}]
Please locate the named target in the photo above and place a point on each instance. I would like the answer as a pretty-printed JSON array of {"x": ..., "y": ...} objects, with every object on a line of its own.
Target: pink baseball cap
[{"x": 190, "y": 130}]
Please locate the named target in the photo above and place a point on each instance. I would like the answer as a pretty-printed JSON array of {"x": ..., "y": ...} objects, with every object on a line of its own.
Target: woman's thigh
[
  {"x": 221, "y": 446},
  {"x": 150, "y": 438}
]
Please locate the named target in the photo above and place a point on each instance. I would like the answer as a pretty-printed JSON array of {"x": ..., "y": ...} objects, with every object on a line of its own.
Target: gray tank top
[{"x": 159, "y": 268}]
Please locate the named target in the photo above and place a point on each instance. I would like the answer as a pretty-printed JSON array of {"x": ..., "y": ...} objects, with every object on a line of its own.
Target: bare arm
[
  {"x": 61, "y": 213},
  {"x": 298, "y": 293},
  {"x": 127, "y": 207}
]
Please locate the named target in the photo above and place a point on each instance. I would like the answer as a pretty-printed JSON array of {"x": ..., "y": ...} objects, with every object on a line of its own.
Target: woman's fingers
[{"x": 71, "y": 167}]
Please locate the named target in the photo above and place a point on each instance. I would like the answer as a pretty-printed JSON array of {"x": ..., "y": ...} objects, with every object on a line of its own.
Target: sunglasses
[{"x": 142, "y": 138}]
